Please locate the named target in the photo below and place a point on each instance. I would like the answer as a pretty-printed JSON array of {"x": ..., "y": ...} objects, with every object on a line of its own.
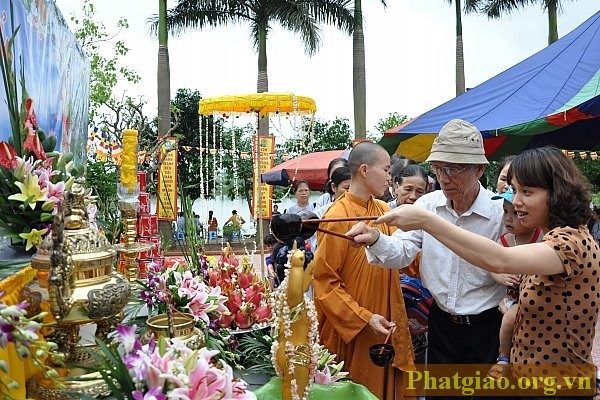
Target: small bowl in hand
[{"x": 382, "y": 354}]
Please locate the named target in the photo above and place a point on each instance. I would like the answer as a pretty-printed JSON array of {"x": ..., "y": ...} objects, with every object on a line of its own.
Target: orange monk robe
[{"x": 348, "y": 290}]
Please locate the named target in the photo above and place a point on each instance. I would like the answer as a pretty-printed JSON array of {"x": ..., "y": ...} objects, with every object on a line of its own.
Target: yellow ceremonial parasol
[{"x": 264, "y": 104}]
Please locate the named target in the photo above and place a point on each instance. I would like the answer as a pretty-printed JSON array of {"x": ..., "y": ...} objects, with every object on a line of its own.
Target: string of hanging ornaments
[
  {"x": 266, "y": 105},
  {"x": 258, "y": 106}
]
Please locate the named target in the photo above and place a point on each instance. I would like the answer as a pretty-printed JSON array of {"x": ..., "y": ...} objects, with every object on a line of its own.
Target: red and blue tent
[{"x": 552, "y": 97}]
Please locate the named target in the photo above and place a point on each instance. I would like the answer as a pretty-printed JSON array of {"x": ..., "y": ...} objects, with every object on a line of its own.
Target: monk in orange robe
[{"x": 358, "y": 303}]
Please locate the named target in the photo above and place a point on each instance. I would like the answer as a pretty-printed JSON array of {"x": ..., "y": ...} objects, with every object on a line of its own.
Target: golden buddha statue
[{"x": 297, "y": 333}]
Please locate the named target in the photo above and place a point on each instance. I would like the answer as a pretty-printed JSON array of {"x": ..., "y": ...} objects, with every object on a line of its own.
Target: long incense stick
[
  {"x": 340, "y": 235},
  {"x": 387, "y": 339},
  {"x": 341, "y": 219}
]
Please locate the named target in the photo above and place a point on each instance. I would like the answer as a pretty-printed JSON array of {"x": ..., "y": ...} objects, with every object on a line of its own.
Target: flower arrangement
[
  {"x": 23, "y": 332},
  {"x": 247, "y": 296},
  {"x": 328, "y": 371},
  {"x": 255, "y": 349},
  {"x": 165, "y": 370},
  {"x": 187, "y": 292},
  {"x": 32, "y": 176},
  {"x": 30, "y": 191}
]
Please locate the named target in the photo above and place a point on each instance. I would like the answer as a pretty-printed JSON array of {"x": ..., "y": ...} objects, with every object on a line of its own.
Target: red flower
[
  {"x": 226, "y": 320},
  {"x": 33, "y": 144},
  {"x": 263, "y": 313},
  {"x": 242, "y": 320},
  {"x": 30, "y": 114},
  {"x": 8, "y": 156}
]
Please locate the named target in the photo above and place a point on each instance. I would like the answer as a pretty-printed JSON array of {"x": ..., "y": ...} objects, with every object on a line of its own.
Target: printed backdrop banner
[
  {"x": 166, "y": 205},
  {"x": 264, "y": 146},
  {"x": 57, "y": 73}
]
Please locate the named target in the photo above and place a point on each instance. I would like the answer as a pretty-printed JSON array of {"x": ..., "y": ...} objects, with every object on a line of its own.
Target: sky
[{"x": 409, "y": 51}]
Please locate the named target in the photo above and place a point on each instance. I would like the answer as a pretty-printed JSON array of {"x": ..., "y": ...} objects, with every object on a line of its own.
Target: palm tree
[
  {"x": 300, "y": 16},
  {"x": 358, "y": 72},
  {"x": 496, "y": 8},
  {"x": 163, "y": 72},
  {"x": 470, "y": 5}
]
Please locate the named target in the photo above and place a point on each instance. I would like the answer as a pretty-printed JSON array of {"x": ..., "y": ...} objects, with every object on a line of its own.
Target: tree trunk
[
  {"x": 262, "y": 82},
  {"x": 552, "y": 22},
  {"x": 163, "y": 72},
  {"x": 164, "y": 91},
  {"x": 460, "y": 59},
  {"x": 163, "y": 76},
  {"x": 358, "y": 73},
  {"x": 262, "y": 86}
]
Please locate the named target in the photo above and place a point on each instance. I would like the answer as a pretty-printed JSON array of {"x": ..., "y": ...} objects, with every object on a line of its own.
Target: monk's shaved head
[{"x": 364, "y": 153}]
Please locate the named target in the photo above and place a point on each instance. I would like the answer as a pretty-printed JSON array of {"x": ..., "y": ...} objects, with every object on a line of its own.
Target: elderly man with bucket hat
[{"x": 464, "y": 320}]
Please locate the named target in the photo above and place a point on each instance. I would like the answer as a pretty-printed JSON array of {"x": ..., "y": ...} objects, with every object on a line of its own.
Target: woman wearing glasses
[{"x": 559, "y": 297}]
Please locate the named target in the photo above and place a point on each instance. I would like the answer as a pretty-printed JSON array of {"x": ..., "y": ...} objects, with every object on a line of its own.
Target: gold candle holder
[{"x": 128, "y": 191}]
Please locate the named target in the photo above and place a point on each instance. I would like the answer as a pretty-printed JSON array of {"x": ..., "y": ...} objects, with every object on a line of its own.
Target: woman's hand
[
  {"x": 506, "y": 279},
  {"x": 406, "y": 217}
]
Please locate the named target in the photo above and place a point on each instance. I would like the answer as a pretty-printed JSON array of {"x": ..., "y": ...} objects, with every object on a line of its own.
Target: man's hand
[
  {"x": 380, "y": 325},
  {"x": 363, "y": 234}
]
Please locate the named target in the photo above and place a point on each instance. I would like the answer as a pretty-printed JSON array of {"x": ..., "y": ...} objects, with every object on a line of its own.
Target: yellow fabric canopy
[{"x": 264, "y": 103}]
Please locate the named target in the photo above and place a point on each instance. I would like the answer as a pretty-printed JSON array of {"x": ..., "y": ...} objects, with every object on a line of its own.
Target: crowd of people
[{"x": 514, "y": 272}]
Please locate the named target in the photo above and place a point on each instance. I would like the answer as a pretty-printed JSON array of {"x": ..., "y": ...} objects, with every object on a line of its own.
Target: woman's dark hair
[
  {"x": 340, "y": 175},
  {"x": 398, "y": 166},
  {"x": 411, "y": 170},
  {"x": 503, "y": 162},
  {"x": 339, "y": 162},
  {"x": 394, "y": 158},
  {"x": 298, "y": 183},
  {"x": 336, "y": 161},
  {"x": 569, "y": 195}
]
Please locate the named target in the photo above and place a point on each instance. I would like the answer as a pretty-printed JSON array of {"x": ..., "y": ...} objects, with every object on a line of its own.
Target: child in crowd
[
  {"x": 516, "y": 234},
  {"x": 270, "y": 241}
]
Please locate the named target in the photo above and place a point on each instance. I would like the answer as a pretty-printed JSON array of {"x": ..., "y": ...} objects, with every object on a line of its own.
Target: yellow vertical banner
[
  {"x": 264, "y": 146},
  {"x": 166, "y": 206}
]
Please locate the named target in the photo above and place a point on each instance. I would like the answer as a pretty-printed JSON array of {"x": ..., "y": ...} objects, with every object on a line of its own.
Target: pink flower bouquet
[
  {"x": 166, "y": 370},
  {"x": 246, "y": 293}
]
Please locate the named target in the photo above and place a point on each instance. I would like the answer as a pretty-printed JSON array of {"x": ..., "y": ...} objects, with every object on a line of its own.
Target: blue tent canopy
[{"x": 552, "y": 97}]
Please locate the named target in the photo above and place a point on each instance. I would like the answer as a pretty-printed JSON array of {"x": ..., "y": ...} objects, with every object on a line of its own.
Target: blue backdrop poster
[{"x": 57, "y": 73}]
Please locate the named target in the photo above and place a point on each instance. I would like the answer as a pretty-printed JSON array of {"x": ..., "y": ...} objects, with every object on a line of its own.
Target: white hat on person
[{"x": 459, "y": 142}]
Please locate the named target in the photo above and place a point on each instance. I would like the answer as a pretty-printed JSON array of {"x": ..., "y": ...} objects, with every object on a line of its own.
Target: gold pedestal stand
[{"x": 130, "y": 248}]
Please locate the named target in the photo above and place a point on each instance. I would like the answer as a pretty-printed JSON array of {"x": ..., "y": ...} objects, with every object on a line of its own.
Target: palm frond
[
  {"x": 254, "y": 349},
  {"x": 338, "y": 13},
  {"x": 297, "y": 18},
  {"x": 197, "y": 14},
  {"x": 497, "y": 8}
]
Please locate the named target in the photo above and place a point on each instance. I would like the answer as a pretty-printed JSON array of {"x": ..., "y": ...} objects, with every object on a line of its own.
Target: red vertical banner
[
  {"x": 264, "y": 146},
  {"x": 166, "y": 207}
]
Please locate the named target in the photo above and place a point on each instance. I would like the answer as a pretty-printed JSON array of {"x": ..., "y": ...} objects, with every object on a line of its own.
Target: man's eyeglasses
[{"x": 450, "y": 171}]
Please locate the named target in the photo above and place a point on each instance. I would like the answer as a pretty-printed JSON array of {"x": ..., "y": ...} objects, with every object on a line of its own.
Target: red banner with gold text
[
  {"x": 264, "y": 147},
  {"x": 166, "y": 203}
]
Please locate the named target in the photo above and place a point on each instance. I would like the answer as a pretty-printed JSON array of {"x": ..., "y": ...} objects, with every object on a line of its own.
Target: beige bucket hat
[{"x": 458, "y": 142}]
